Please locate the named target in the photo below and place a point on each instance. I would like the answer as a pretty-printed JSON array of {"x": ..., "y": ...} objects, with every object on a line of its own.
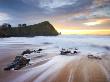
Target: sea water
[{"x": 84, "y": 43}]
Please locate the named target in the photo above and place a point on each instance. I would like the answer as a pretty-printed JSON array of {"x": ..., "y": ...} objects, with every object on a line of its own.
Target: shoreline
[{"x": 54, "y": 67}]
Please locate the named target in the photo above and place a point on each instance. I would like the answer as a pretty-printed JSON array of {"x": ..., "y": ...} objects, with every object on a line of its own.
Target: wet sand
[
  {"x": 83, "y": 70},
  {"x": 58, "y": 68}
]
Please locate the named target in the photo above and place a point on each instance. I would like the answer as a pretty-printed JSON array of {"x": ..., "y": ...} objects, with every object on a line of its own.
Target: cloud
[
  {"x": 58, "y": 7},
  {"x": 93, "y": 23},
  {"x": 97, "y": 22},
  {"x": 96, "y": 15},
  {"x": 102, "y": 12},
  {"x": 99, "y": 3},
  {"x": 56, "y": 3},
  {"x": 49, "y": 3},
  {"x": 4, "y": 16}
]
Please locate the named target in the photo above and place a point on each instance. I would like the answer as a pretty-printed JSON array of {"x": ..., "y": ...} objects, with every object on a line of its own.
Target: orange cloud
[{"x": 97, "y": 22}]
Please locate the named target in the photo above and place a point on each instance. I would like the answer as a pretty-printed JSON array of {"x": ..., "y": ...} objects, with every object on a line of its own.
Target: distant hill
[{"x": 40, "y": 29}]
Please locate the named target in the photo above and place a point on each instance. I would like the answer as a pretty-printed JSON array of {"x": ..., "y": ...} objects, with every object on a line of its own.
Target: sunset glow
[
  {"x": 80, "y": 32},
  {"x": 97, "y": 22},
  {"x": 93, "y": 23}
]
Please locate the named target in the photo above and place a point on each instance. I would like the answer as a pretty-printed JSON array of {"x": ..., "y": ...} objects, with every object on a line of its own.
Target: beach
[{"x": 53, "y": 67}]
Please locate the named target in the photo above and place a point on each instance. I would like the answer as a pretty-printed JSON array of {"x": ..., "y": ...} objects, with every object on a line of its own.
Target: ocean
[{"x": 85, "y": 43}]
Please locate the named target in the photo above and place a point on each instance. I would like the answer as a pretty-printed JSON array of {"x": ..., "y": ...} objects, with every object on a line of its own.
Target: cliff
[{"x": 41, "y": 29}]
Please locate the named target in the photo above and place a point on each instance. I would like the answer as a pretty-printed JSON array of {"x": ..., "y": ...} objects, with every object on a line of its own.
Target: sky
[{"x": 67, "y": 16}]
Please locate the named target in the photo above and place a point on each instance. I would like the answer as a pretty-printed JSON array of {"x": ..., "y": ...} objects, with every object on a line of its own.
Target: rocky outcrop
[{"x": 41, "y": 29}]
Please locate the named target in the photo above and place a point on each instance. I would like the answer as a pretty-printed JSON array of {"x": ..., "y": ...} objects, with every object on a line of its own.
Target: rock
[
  {"x": 39, "y": 50},
  {"x": 94, "y": 57},
  {"x": 64, "y": 52},
  {"x": 27, "y": 52},
  {"x": 18, "y": 63}
]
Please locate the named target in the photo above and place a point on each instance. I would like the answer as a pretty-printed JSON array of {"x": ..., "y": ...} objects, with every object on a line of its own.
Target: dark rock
[
  {"x": 39, "y": 49},
  {"x": 94, "y": 57},
  {"x": 18, "y": 63},
  {"x": 64, "y": 52},
  {"x": 27, "y": 52}
]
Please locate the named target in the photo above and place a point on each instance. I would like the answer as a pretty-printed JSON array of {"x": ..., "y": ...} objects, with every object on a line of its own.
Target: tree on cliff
[
  {"x": 5, "y": 30},
  {"x": 6, "y": 25}
]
